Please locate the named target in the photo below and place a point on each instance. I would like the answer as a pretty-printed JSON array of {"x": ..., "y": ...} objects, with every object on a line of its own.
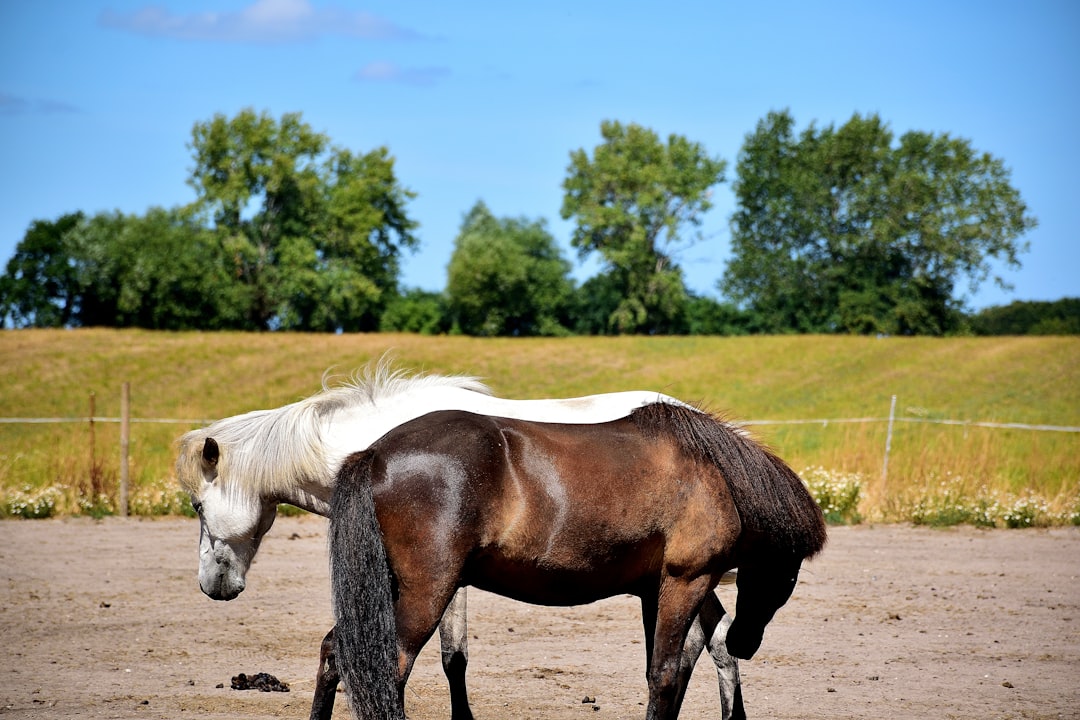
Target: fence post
[
  {"x": 93, "y": 398},
  {"x": 125, "y": 436},
  {"x": 888, "y": 443}
]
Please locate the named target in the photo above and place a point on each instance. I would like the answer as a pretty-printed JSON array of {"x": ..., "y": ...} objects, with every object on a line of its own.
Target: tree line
[{"x": 836, "y": 230}]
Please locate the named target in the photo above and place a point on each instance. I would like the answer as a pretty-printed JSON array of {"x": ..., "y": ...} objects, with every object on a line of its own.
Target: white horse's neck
[{"x": 311, "y": 496}]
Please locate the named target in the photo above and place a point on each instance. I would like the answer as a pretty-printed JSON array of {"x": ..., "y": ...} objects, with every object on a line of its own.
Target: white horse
[{"x": 240, "y": 468}]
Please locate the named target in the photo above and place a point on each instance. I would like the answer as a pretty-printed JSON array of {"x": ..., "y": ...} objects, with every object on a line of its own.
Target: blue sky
[{"x": 485, "y": 100}]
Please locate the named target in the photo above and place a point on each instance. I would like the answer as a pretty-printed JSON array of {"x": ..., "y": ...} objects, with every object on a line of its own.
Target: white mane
[{"x": 265, "y": 451}]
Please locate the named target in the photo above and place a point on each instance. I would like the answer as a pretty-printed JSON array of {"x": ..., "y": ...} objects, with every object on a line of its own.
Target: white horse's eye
[{"x": 197, "y": 507}]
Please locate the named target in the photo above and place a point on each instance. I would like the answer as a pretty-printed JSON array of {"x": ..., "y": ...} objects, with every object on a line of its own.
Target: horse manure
[{"x": 263, "y": 682}]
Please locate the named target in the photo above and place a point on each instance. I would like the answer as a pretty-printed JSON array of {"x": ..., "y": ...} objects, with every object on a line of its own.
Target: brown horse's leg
[
  {"x": 453, "y": 638},
  {"x": 455, "y": 654},
  {"x": 676, "y": 605},
  {"x": 418, "y": 610},
  {"x": 326, "y": 682}
]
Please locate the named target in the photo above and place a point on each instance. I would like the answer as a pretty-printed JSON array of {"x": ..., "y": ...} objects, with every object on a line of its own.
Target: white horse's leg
[
  {"x": 695, "y": 643},
  {"x": 710, "y": 630},
  {"x": 454, "y": 640},
  {"x": 714, "y": 624}
]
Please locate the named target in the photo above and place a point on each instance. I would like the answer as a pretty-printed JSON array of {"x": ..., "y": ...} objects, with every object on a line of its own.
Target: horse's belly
[{"x": 538, "y": 584}]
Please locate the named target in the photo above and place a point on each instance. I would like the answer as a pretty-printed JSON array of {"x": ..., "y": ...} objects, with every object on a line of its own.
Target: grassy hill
[{"x": 210, "y": 375}]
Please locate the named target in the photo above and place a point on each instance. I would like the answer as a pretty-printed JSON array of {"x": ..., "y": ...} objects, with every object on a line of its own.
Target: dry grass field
[{"x": 932, "y": 467}]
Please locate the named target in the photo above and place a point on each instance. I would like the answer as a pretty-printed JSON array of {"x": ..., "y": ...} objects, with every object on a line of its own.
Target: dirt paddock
[{"x": 105, "y": 620}]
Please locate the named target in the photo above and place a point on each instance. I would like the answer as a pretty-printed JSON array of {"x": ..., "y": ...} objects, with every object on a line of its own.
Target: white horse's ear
[{"x": 210, "y": 453}]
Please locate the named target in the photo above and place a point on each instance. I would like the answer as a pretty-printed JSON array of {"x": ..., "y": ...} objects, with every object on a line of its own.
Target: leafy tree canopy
[
  {"x": 635, "y": 201},
  {"x": 1060, "y": 317},
  {"x": 314, "y": 231},
  {"x": 507, "y": 277},
  {"x": 39, "y": 286},
  {"x": 162, "y": 270},
  {"x": 845, "y": 230}
]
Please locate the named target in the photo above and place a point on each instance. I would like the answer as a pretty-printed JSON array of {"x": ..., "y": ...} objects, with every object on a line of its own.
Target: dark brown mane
[{"x": 772, "y": 500}]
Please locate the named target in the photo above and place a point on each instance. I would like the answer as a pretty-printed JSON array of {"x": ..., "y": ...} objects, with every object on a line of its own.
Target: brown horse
[{"x": 659, "y": 505}]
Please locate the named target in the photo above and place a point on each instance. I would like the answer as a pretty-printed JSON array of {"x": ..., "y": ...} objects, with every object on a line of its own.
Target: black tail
[
  {"x": 361, "y": 589},
  {"x": 772, "y": 501}
]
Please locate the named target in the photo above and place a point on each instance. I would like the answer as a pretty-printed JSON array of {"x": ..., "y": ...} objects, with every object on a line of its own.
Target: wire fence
[
  {"x": 825, "y": 422},
  {"x": 125, "y": 421},
  {"x": 88, "y": 419},
  {"x": 928, "y": 421}
]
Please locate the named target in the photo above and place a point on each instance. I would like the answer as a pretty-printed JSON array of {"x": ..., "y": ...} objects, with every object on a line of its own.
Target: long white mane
[{"x": 265, "y": 451}]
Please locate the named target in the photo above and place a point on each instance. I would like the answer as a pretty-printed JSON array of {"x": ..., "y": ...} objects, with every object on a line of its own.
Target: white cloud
[
  {"x": 264, "y": 21},
  {"x": 382, "y": 71},
  {"x": 16, "y": 105}
]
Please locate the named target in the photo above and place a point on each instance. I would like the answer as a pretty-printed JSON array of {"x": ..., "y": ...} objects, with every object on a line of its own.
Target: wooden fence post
[
  {"x": 125, "y": 436},
  {"x": 888, "y": 443},
  {"x": 93, "y": 403}
]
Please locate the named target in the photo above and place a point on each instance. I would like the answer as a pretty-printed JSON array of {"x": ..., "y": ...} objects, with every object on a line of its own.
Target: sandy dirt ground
[{"x": 104, "y": 619}]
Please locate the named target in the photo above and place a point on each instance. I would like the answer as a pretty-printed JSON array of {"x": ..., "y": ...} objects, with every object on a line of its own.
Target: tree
[
  {"x": 161, "y": 270},
  {"x": 706, "y": 316},
  {"x": 39, "y": 287},
  {"x": 416, "y": 311},
  {"x": 1029, "y": 317},
  {"x": 315, "y": 232},
  {"x": 507, "y": 277},
  {"x": 632, "y": 201},
  {"x": 841, "y": 230}
]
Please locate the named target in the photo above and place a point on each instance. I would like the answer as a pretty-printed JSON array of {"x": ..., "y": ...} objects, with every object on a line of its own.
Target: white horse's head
[
  {"x": 239, "y": 468},
  {"x": 232, "y": 519}
]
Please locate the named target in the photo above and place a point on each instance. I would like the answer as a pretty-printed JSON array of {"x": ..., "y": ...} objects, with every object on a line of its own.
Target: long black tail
[
  {"x": 772, "y": 501},
  {"x": 361, "y": 589}
]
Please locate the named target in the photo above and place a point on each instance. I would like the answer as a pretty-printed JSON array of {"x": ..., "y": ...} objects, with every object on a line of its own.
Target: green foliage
[
  {"x": 30, "y": 503},
  {"x": 416, "y": 311},
  {"x": 838, "y": 494},
  {"x": 594, "y": 304},
  {"x": 321, "y": 249},
  {"x": 158, "y": 271},
  {"x": 39, "y": 287},
  {"x": 507, "y": 277},
  {"x": 706, "y": 316},
  {"x": 632, "y": 200},
  {"x": 287, "y": 232},
  {"x": 841, "y": 230},
  {"x": 952, "y": 502},
  {"x": 1061, "y": 317},
  {"x": 836, "y": 230}
]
